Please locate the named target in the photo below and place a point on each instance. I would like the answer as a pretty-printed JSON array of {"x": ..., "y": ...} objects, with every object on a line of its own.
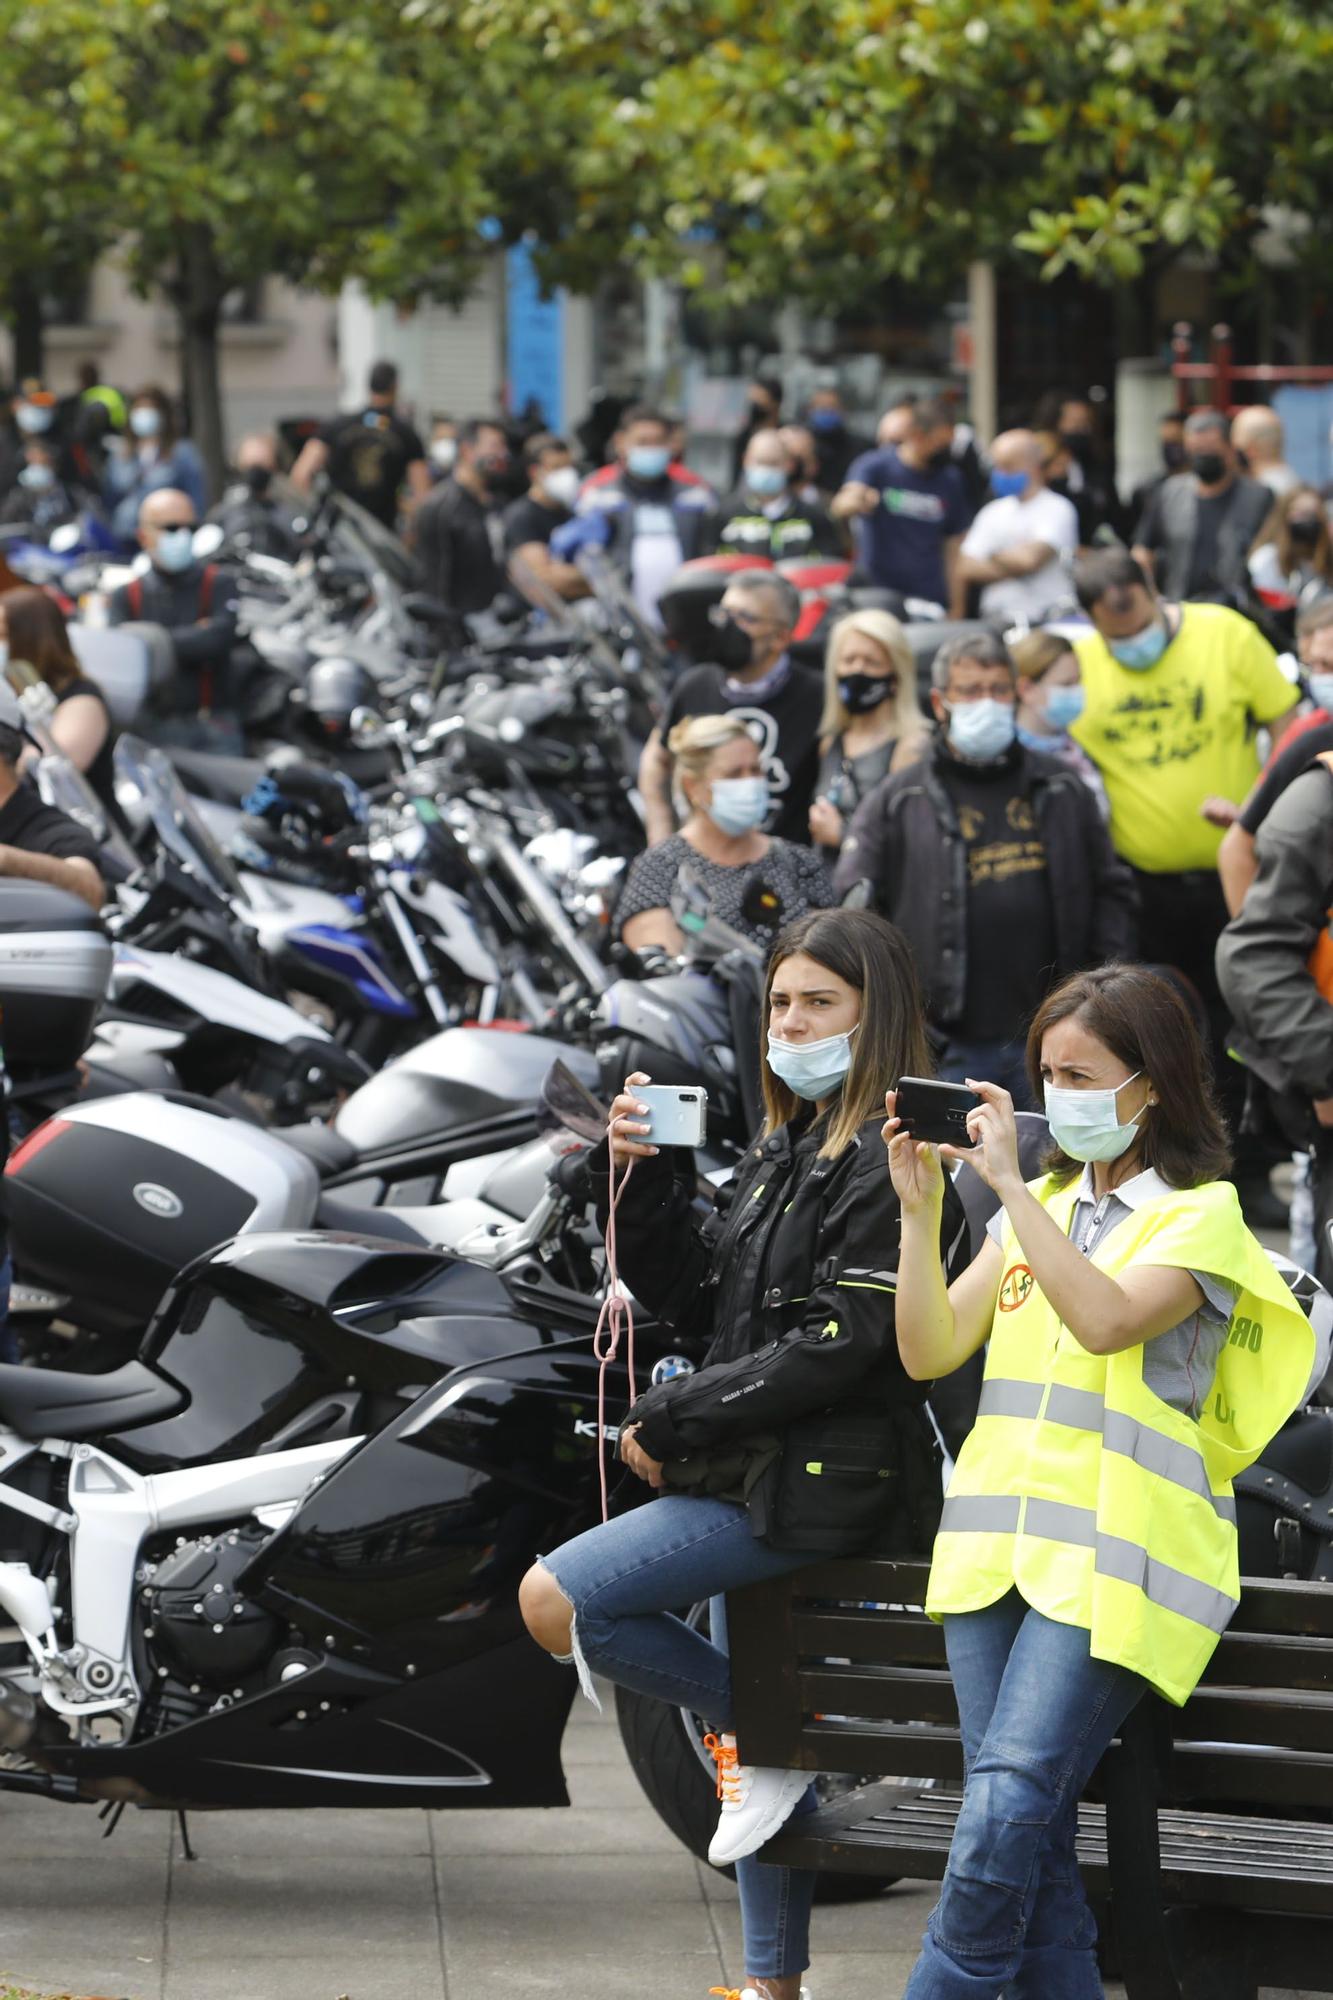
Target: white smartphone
[{"x": 677, "y": 1113}]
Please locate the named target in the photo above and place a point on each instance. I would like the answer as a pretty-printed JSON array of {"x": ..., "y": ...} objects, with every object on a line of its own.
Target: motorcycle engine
[{"x": 195, "y": 1620}]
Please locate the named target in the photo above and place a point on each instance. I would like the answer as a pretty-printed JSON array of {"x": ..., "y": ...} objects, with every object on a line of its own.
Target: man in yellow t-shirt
[{"x": 1173, "y": 696}]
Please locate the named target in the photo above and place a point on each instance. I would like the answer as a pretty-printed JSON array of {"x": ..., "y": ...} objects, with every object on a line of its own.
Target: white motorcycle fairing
[
  {"x": 214, "y": 996},
  {"x": 112, "y": 1511}
]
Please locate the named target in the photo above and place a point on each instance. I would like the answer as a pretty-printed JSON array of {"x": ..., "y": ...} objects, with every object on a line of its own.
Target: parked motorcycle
[{"x": 273, "y": 1560}]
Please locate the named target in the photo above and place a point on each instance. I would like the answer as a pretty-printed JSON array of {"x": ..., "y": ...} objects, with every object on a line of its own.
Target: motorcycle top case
[
  {"x": 108, "y": 1201},
  {"x": 55, "y": 965}
]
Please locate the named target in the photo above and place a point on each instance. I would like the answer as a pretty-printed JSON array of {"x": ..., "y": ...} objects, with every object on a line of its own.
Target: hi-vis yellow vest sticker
[{"x": 1106, "y": 1507}]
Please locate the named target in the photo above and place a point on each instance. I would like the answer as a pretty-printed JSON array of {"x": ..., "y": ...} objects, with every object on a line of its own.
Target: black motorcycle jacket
[{"x": 791, "y": 1303}]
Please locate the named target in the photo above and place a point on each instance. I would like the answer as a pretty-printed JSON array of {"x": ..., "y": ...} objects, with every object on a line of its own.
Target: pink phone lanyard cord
[{"x": 617, "y": 1315}]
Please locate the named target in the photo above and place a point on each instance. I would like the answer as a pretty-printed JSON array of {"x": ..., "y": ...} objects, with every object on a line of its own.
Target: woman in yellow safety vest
[{"x": 1143, "y": 1350}]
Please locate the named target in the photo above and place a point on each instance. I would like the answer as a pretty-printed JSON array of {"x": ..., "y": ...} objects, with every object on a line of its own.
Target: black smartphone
[{"x": 936, "y": 1111}]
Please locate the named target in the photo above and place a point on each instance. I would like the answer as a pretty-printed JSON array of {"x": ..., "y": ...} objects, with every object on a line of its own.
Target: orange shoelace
[{"x": 727, "y": 1759}]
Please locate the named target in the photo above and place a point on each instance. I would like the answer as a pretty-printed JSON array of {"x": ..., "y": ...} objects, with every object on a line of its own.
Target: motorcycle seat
[
  {"x": 330, "y": 1152},
  {"x": 1303, "y": 1453},
  {"x": 354, "y": 1221},
  {"x": 56, "y": 1403}
]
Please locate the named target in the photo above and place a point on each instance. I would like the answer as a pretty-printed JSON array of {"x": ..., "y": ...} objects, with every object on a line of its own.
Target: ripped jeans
[
  {"x": 1037, "y": 1713},
  {"x": 626, "y": 1579}
]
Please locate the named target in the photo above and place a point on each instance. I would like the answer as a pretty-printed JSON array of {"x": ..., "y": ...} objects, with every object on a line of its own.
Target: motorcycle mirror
[
  {"x": 207, "y": 540},
  {"x": 368, "y": 729},
  {"x": 62, "y": 541}
]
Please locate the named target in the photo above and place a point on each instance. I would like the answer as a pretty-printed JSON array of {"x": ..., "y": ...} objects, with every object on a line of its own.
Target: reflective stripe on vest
[
  {"x": 1085, "y": 1410},
  {"x": 1058, "y": 1521},
  {"x": 1103, "y": 1505}
]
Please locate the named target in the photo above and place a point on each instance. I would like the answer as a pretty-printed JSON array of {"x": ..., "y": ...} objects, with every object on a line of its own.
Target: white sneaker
[
  {"x": 752, "y": 1993},
  {"x": 756, "y": 1800}
]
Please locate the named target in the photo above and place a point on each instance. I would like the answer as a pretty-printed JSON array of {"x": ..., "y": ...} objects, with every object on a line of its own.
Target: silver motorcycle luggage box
[{"x": 55, "y": 966}]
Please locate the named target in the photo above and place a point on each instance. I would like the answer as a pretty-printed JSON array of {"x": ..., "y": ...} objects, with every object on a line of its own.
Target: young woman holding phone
[
  {"x": 1142, "y": 1350},
  {"x": 800, "y": 1433}
]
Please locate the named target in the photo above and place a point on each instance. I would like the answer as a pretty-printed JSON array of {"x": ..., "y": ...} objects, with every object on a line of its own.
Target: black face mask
[
  {"x": 1209, "y": 466},
  {"x": 1173, "y": 455},
  {"x": 258, "y": 478},
  {"x": 1304, "y": 532},
  {"x": 862, "y": 692},
  {"x": 937, "y": 460},
  {"x": 731, "y": 646},
  {"x": 1078, "y": 444}
]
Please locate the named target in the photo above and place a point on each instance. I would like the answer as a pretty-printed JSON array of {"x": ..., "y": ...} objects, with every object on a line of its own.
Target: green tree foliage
[
  {"x": 55, "y": 192},
  {"x": 224, "y": 141},
  {"x": 765, "y": 148},
  {"x": 753, "y": 149}
]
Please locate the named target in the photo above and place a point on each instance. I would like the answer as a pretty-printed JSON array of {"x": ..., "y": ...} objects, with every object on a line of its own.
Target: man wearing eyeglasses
[{"x": 753, "y": 676}]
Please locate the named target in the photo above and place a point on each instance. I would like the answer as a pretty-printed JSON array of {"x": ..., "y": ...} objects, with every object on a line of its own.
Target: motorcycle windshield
[
  {"x": 371, "y": 543},
  {"x": 66, "y": 788},
  {"x": 176, "y": 822},
  {"x": 569, "y": 1104}
]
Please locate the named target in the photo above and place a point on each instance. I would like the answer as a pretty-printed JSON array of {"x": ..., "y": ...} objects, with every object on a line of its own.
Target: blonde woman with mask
[
  {"x": 871, "y": 723},
  {"x": 717, "y": 773}
]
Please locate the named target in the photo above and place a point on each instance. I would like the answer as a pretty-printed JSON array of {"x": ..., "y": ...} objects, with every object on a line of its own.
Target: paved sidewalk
[
  {"x": 599, "y": 1902},
  {"x": 595, "y": 1903}
]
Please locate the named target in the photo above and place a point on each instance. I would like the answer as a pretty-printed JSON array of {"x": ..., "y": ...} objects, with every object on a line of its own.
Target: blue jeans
[
  {"x": 1037, "y": 1712},
  {"x": 625, "y": 1579},
  {"x": 988, "y": 1062}
]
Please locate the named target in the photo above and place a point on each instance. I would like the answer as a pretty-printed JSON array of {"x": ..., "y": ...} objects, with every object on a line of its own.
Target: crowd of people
[
  {"x": 1079, "y": 780},
  {"x": 1103, "y": 839},
  {"x": 1075, "y": 866}
]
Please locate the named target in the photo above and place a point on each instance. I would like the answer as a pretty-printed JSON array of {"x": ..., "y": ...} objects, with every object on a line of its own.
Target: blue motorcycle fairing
[{"x": 357, "y": 959}]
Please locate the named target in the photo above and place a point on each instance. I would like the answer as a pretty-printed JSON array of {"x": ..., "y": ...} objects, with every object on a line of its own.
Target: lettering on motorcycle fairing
[
  {"x": 764, "y": 730},
  {"x": 586, "y": 1428}
]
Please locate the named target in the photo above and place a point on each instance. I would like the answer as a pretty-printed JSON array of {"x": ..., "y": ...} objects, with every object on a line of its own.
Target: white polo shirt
[{"x": 1006, "y": 524}]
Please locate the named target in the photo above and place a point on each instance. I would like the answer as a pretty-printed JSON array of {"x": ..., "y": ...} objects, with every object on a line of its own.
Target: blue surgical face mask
[
  {"x": 1321, "y": 690},
  {"x": 766, "y": 480},
  {"x": 1144, "y": 650},
  {"x": 33, "y": 418},
  {"x": 1064, "y": 705},
  {"x": 647, "y": 461},
  {"x": 175, "y": 549},
  {"x": 145, "y": 422},
  {"x": 825, "y": 420},
  {"x": 1008, "y": 485},
  {"x": 1085, "y": 1124},
  {"x": 811, "y": 1069},
  {"x": 739, "y": 805},
  {"x": 981, "y": 730},
  {"x": 37, "y": 478}
]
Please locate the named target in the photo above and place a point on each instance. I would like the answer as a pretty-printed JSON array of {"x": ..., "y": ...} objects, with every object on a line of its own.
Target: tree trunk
[
  {"x": 199, "y": 295},
  {"x": 28, "y": 327}
]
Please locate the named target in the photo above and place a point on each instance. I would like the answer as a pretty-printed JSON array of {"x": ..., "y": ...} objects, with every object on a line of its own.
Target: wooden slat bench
[{"x": 1208, "y": 1837}]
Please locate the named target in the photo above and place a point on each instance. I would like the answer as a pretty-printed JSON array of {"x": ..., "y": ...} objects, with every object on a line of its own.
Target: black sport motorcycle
[{"x": 272, "y": 1561}]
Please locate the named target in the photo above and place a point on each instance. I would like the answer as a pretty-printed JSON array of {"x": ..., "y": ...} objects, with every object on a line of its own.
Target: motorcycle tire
[{"x": 671, "y": 1772}]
